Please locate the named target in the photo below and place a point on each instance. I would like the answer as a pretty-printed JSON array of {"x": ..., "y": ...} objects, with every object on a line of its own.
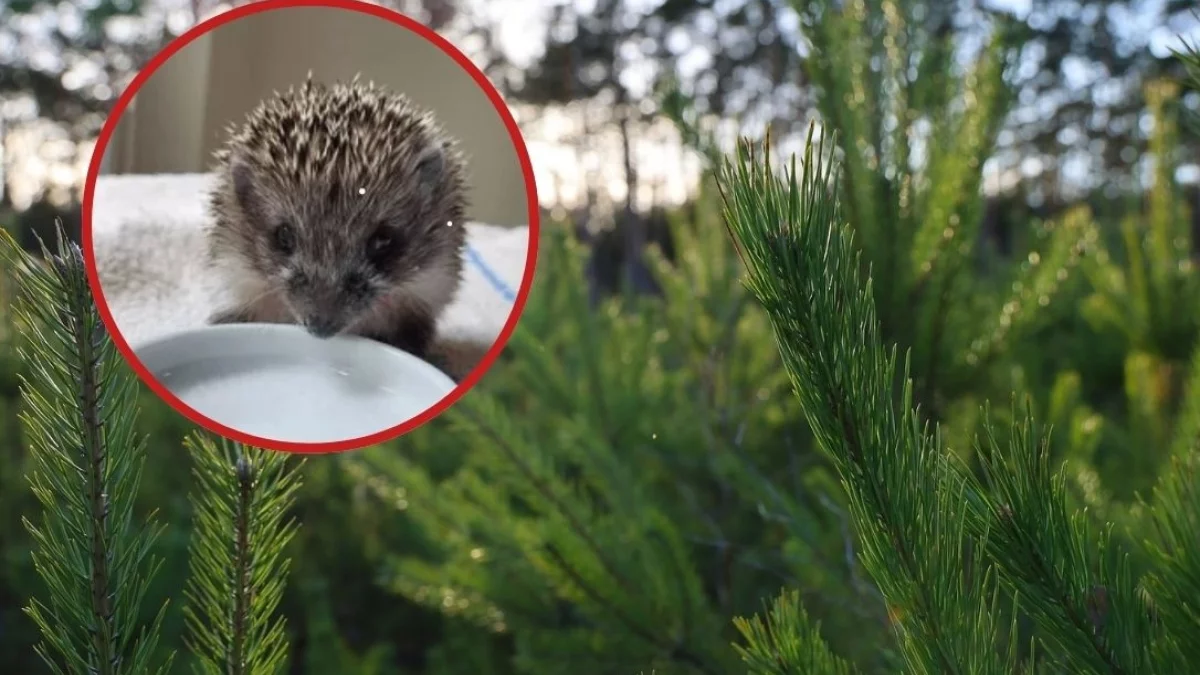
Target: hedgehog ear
[{"x": 431, "y": 164}]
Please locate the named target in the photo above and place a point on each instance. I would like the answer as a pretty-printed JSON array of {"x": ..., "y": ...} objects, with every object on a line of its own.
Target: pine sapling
[
  {"x": 925, "y": 520},
  {"x": 910, "y": 504},
  {"x": 241, "y": 528},
  {"x": 87, "y": 458}
]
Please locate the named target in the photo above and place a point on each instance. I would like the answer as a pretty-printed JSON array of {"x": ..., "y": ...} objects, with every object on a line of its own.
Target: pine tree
[
  {"x": 1147, "y": 293},
  {"x": 240, "y": 531},
  {"x": 915, "y": 126},
  {"x": 543, "y": 531},
  {"x": 574, "y": 495},
  {"x": 1090, "y": 612},
  {"x": 79, "y": 417},
  {"x": 94, "y": 556},
  {"x": 635, "y": 477}
]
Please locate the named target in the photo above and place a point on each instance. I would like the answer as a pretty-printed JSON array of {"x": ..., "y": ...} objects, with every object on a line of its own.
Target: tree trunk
[{"x": 632, "y": 227}]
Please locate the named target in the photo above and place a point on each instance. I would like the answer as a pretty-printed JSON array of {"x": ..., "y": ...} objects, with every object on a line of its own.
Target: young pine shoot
[
  {"x": 241, "y": 529},
  {"x": 79, "y": 417}
]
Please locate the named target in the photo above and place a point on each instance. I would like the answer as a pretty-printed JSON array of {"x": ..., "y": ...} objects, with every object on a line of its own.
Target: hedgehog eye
[
  {"x": 283, "y": 238},
  {"x": 380, "y": 243}
]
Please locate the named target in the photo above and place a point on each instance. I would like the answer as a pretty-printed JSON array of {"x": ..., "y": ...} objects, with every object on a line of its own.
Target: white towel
[{"x": 148, "y": 243}]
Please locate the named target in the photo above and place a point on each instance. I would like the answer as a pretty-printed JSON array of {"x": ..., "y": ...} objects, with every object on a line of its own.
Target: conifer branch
[
  {"x": 906, "y": 500},
  {"x": 1079, "y": 592},
  {"x": 238, "y": 572},
  {"x": 678, "y": 652},
  {"x": 1187, "y": 423},
  {"x": 80, "y": 415},
  {"x": 370, "y": 470},
  {"x": 1040, "y": 277},
  {"x": 954, "y": 172},
  {"x": 546, "y": 490},
  {"x": 1174, "y": 586},
  {"x": 840, "y": 45},
  {"x": 787, "y": 642},
  {"x": 500, "y": 438},
  {"x": 1175, "y": 583},
  {"x": 675, "y": 107}
]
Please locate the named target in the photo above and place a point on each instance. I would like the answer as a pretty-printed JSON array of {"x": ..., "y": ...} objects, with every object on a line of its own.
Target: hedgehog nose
[{"x": 322, "y": 327}]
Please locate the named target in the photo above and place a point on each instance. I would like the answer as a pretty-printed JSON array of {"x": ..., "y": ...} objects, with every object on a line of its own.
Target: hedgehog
[{"x": 339, "y": 208}]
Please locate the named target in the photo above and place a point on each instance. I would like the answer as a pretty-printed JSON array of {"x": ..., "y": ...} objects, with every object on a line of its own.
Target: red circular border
[{"x": 530, "y": 190}]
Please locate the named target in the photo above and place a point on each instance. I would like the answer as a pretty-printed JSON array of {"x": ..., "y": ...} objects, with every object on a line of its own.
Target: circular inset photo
[{"x": 310, "y": 227}]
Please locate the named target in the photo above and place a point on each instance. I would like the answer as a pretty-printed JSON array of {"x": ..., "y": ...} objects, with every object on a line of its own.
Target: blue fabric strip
[{"x": 494, "y": 279}]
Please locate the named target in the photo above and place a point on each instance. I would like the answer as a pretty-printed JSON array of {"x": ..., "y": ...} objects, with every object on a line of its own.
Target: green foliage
[
  {"x": 1090, "y": 612},
  {"x": 86, "y": 467},
  {"x": 914, "y": 131},
  {"x": 787, "y": 642},
  {"x": 1141, "y": 299},
  {"x": 85, "y": 463},
  {"x": 636, "y": 473},
  {"x": 1146, "y": 295},
  {"x": 241, "y": 503},
  {"x": 1189, "y": 56},
  {"x": 1070, "y": 580},
  {"x": 544, "y": 498},
  {"x": 629, "y": 478},
  {"x": 801, "y": 266},
  {"x": 1187, "y": 429},
  {"x": 330, "y": 652},
  {"x": 1175, "y": 583},
  {"x": 914, "y": 135}
]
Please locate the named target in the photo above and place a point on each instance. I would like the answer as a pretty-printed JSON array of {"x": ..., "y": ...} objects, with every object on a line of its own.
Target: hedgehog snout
[
  {"x": 324, "y": 314},
  {"x": 323, "y": 326},
  {"x": 326, "y": 309}
]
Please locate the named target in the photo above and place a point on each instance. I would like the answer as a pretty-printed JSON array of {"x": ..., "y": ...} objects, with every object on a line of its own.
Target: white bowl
[{"x": 277, "y": 382}]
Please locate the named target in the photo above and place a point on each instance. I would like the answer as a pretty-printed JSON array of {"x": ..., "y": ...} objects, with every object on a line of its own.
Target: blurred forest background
[{"x": 642, "y": 378}]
